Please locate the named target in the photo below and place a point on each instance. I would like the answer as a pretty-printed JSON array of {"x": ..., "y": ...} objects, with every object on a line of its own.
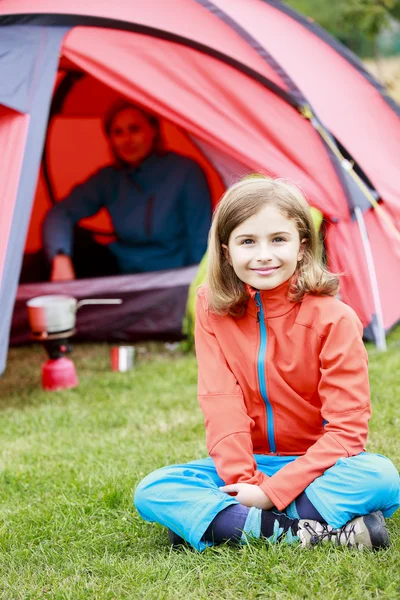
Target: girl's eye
[
  {"x": 279, "y": 239},
  {"x": 247, "y": 241}
]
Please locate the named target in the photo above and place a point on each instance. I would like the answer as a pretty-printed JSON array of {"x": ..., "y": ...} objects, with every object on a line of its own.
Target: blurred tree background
[{"x": 371, "y": 28}]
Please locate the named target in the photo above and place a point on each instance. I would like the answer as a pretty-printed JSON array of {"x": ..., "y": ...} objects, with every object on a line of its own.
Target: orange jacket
[{"x": 285, "y": 379}]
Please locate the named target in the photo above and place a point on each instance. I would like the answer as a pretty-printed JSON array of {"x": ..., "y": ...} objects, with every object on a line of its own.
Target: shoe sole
[{"x": 377, "y": 530}]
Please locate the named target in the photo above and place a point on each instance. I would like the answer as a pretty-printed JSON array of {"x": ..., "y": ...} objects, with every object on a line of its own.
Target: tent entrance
[{"x": 76, "y": 147}]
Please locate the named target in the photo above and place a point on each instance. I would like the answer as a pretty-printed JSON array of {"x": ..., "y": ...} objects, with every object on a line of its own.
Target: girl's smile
[
  {"x": 266, "y": 271},
  {"x": 265, "y": 249}
]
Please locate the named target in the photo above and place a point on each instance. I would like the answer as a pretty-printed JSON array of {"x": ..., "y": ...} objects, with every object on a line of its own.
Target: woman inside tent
[{"x": 159, "y": 203}]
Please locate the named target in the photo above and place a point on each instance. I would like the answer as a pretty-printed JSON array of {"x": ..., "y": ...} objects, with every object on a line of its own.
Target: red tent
[{"x": 239, "y": 84}]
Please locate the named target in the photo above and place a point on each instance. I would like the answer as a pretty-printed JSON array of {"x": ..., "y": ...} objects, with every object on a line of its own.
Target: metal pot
[{"x": 57, "y": 313}]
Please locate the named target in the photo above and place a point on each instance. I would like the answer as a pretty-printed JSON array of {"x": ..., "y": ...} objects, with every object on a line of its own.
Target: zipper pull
[{"x": 257, "y": 300}]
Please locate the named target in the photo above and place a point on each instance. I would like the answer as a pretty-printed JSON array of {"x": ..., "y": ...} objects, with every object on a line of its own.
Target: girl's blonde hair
[{"x": 226, "y": 292}]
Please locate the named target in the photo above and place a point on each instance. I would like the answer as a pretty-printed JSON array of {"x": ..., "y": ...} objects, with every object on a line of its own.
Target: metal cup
[{"x": 122, "y": 358}]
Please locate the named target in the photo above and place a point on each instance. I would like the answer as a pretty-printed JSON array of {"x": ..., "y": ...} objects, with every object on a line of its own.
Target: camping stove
[
  {"x": 52, "y": 321},
  {"x": 58, "y": 372}
]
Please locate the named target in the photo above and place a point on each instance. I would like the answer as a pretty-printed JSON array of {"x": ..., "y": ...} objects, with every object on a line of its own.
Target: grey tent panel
[
  {"x": 27, "y": 77},
  {"x": 20, "y": 50},
  {"x": 357, "y": 196}
]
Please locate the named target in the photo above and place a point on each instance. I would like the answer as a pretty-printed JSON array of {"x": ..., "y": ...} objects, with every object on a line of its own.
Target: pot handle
[{"x": 98, "y": 301}]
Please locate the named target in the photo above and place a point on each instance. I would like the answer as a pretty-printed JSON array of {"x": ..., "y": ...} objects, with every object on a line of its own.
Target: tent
[{"x": 248, "y": 85}]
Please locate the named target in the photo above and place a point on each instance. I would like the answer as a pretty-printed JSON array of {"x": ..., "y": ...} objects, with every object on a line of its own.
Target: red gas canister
[{"x": 59, "y": 374}]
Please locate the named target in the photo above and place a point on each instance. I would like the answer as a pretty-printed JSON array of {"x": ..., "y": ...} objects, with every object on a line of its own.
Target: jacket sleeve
[
  {"x": 196, "y": 213},
  {"x": 228, "y": 426},
  {"x": 85, "y": 200},
  {"x": 345, "y": 408}
]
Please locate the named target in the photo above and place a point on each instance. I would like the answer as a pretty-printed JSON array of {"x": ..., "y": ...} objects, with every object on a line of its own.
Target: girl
[{"x": 283, "y": 385}]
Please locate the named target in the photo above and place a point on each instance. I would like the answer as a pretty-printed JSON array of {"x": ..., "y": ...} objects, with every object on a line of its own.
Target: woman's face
[{"x": 132, "y": 136}]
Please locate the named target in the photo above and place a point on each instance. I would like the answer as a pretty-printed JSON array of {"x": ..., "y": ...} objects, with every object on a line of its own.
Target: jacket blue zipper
[{"x": 262, "y": 353}]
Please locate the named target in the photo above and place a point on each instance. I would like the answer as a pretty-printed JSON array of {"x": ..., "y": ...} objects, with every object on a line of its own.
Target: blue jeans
[{"x": 186, "y": 497}]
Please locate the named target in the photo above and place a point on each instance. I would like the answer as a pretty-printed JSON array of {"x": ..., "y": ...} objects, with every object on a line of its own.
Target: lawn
[{"x": 70, "y": 461}]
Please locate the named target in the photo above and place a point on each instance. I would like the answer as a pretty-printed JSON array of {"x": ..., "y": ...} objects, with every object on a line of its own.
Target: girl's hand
[{"x": 249, "y": 495}]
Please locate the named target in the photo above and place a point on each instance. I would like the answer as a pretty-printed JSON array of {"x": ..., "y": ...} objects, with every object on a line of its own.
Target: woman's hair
[
  {"x": 119, "y": 106},
  {"x": 226, "y": 292}
]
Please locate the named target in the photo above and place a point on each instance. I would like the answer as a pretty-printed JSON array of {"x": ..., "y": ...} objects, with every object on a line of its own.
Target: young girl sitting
[{"x": 283, "y": 385}]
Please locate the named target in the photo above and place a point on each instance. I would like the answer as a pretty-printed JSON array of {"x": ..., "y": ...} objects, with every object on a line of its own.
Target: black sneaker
[
  {"x": 368, "y": 531},
  {"x": 175, "y": 539}
]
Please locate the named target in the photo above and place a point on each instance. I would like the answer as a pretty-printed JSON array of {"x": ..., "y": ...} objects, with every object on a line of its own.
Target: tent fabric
[
  {"x": 236, "y": 78},
  {"x": 152, "y": 306},
  {"x": 333, "y": 86},
  {"x": 314, "y": 28},
  {"x": 185, "y": 21},
  {"x": 19, "y": 65},
  {"x": 204, "y": 97},
  {"x": 341, "y": 96},
  {"x": 14, "y": 128},
  {"x": 18, "y": 70},
  {"x": 26, "y": 135},
  {"x": 386, "y": 253},
  {"x": 253, "y": 43},
  {"x": 167, "y": 24}
]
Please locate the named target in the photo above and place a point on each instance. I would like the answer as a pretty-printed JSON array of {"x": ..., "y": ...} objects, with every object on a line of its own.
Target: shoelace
[{"x": 329, "y": 533}]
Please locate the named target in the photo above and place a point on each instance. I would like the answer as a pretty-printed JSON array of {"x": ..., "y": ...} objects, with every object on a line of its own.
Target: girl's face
[
  {"x": 264, "y": 250},
  {"x": 132, "y": 136}
]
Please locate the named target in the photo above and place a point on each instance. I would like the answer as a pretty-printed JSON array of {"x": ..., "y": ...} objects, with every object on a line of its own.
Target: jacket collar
[
  {"x": 146, "y": 166},
  {"x": 274, "y": 302}
]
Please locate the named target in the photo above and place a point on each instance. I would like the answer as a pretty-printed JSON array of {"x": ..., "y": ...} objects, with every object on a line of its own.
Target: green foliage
[
  {"x": 369, "y": 16},
  {"x": 324, "y": 12},
  {"x": 356, "y": 23},
  {"x": 70, "y": 461}
]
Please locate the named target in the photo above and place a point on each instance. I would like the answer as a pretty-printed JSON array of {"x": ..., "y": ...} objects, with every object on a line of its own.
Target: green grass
[{"x": 69, "y": 463}]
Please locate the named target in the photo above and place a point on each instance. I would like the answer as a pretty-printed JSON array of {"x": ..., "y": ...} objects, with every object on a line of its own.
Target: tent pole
[{"x": 380, "y": 334}]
